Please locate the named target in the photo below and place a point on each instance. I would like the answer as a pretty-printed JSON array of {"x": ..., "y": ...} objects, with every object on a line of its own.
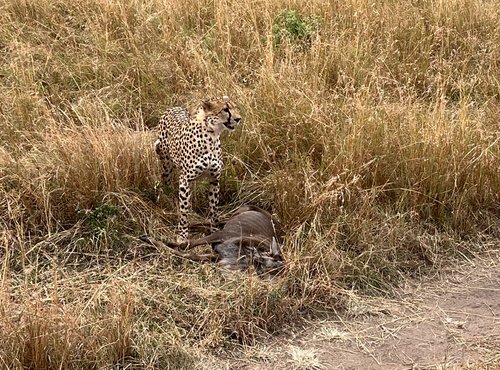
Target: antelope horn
[{"x": 275, "y": 250}]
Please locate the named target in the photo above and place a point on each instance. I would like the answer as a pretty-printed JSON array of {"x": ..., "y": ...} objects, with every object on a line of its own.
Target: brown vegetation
[{"x": 370, "y": 129}]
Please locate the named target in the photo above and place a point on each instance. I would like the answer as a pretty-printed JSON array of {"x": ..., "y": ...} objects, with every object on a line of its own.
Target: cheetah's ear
[
  {"x": 226, "y": 98},
  {"x": 207, "y": 105}
]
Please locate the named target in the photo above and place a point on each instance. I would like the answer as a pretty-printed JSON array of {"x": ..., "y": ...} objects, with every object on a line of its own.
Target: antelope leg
[{"x": 171, "y": 247}]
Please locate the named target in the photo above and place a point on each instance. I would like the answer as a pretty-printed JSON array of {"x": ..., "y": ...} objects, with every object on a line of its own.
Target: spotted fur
[{"x": 192, "y": 145}]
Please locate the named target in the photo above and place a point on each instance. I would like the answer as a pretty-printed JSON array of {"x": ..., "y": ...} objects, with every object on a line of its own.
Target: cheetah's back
[
  {"x": 172, "y": 125},
  {"x": 174, "y": 119}
]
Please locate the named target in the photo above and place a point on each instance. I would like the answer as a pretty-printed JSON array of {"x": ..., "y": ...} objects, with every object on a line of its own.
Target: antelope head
[{"x": 268, "y": 264}]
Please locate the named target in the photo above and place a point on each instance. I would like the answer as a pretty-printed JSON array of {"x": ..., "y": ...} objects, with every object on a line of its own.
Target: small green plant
[
  {"x": 294, "y": 27},
  {"x": 98, "y": 218}
]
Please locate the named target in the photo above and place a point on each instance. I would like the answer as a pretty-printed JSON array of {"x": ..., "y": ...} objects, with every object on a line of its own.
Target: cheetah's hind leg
[{"x": 167, "y": 166}]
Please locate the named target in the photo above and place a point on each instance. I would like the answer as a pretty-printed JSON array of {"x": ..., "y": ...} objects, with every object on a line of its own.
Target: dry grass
[{"x": 370, "y": 129}]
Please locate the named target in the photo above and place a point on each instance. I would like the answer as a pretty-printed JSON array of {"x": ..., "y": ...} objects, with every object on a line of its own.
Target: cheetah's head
[{"x": 220, "y": 114}]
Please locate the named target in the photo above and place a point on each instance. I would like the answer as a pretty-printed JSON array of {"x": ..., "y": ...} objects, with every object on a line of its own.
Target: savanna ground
[
  {"x": 450, "y": 321},
  {"x": 371, "y": 129}
]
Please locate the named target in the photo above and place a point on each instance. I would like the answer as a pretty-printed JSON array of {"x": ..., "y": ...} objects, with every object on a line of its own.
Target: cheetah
[{"x": 192, "y": 145}]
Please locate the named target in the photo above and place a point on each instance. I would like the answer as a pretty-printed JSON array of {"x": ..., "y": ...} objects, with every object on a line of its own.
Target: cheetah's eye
[{"x": 226, "y": 110}]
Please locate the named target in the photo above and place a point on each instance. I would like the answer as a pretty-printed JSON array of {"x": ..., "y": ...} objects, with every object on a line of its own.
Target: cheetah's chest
[{"x": 202, "y": 156}]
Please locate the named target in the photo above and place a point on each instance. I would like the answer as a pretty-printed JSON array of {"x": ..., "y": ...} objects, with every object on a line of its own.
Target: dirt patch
[{"x": 450, "y": 321}]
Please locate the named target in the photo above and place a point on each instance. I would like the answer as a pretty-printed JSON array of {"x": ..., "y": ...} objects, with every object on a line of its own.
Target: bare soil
[{"x": 450, "y": 321}]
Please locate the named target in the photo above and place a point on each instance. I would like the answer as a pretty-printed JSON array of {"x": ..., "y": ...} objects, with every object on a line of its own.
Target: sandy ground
[{"x": 451, "y": 321}]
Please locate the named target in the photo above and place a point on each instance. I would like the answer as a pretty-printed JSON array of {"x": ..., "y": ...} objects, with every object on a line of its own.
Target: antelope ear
[{"x": 275, "y": 250}]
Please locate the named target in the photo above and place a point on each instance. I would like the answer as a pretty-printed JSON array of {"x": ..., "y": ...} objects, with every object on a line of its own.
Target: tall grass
[{"x": 370, "y": 129}]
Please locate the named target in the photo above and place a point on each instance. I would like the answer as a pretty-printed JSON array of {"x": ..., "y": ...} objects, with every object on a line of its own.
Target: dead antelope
[{"x": 249, "y": 238}]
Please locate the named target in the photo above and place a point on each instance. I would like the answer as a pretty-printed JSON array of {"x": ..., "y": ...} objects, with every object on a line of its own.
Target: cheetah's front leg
[
  {"x": 184, "y": 207},
  {"x": 213, "y": 200}
]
